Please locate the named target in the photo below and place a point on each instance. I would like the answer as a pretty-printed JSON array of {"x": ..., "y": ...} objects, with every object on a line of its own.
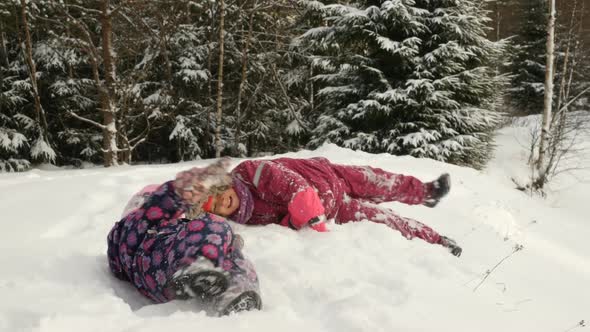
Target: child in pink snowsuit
[{"x": 306, "y": 192}]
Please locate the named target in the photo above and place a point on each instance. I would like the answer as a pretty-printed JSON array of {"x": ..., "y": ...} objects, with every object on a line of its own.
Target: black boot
[
  {"x": 436, "y": 190},
  {"x": 204, "y": 285},
  {"x": 451, "y": 245},
  {"x": 246, "y": 301}
]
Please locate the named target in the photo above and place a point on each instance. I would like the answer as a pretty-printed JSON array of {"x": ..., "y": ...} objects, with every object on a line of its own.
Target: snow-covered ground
[{"x": 358, "y": 277}]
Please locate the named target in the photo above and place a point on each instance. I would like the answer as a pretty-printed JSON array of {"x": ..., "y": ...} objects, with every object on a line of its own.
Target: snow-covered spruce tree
[
  {"x": 164, "y": 93},
  {"x": 189, "y": 62},
  {"x": 61, "y": 87},
  {"x": 67, "y": 89},
  {"x": 22, "y": 111},
  {"x": 257, "y": 106},
  {"x": 41, "y": 149},
  {"x": 406, "y": 77},
  {"x": 23, "y": 135},
  {"x": 14, "y": 126},
  {"x": 528, "y": 64},
  {"x": 89, "y": 28},
  {"x": 182, "y": 99},
  {"x": 271, "y": 115},
  {"x": 172, "y": 89},
  {"x": 65, "y": 86},
  {"x": 13, "y": 140}
]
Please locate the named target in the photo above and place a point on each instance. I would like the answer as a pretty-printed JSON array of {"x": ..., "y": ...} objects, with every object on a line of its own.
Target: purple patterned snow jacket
[{"x": 151, "y": 243}]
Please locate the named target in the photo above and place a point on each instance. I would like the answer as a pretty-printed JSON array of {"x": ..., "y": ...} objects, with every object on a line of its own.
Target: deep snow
[{"x": 358, "y": 277}]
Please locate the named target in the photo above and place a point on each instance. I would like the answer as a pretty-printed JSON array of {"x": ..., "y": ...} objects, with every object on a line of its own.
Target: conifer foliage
[
  {"x": 115, "y": 81},
  {"x": 406, "y": 77},
  {"x": 528, "y": 65}
]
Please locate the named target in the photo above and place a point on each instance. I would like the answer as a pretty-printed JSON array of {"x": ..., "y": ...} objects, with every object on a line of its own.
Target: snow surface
[{"x": 358, "y": 277}]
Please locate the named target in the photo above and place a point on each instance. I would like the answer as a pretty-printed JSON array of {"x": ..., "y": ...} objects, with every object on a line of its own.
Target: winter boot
[
  {"x": 204, "y": 285},
  {"x": 436, "y": 190},
  {"x": 249, "y": 300},
  {"x": 451, "y": 245},
  {"x": 243, "y": 293}
]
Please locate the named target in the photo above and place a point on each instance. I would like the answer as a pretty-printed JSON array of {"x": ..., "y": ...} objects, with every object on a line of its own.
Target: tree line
[{"x": 138, "y": 81}]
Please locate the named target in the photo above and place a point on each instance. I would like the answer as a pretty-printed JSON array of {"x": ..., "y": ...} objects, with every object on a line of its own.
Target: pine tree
[
  {"x": 406, "y": 77},
  {"x": 166, "y": 89},
  {"x": 66, "y": 90},
  {"x": 275, "y": 119},
  {"x": 528, "y": 65},
  {"x": 14, "y": 126},
  {"x": 23, "y": 115}
]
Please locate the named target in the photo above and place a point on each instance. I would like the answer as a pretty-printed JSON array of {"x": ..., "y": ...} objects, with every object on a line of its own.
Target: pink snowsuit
[{"x": 293, "y": 192}]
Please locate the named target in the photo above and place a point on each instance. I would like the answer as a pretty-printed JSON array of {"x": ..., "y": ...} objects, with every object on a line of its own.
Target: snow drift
[{"x": 358, "y": 277}]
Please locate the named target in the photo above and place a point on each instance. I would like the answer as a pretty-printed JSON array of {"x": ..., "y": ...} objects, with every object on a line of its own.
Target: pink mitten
[{"x": 318, "y": 224}]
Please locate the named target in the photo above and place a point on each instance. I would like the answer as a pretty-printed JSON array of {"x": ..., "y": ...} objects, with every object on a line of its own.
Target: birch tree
[
  {"x": 218, "y": 143},
  {"x": 560, "y": 132},
  {"x": 548, "y": 100}
]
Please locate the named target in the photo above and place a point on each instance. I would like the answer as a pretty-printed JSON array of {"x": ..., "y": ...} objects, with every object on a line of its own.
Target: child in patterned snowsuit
[
  {"x": 166, "y": 256},
  {"x": 306, "y": 192}
]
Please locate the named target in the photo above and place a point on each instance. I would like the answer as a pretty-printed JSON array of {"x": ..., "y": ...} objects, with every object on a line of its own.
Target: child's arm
[{"x": 163, "y": 206}]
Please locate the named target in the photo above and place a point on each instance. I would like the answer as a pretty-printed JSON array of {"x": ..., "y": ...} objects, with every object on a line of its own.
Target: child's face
[{"x": 226, "y": 203}]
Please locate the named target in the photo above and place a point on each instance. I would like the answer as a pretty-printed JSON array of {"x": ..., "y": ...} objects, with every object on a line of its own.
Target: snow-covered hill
[{"x": 358, "y": 277}]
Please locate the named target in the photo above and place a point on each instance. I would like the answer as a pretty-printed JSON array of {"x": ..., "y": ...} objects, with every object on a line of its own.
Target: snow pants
[{"x": 366, "y": 187}]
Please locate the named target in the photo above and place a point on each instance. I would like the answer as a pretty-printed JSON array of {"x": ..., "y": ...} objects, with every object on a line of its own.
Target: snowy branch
[
  {"x": 572, "y": 101},
  {"x": 118, "y": 8},
  {"x": 94, "y": 123},
  {"x": 84, "y": 9}
]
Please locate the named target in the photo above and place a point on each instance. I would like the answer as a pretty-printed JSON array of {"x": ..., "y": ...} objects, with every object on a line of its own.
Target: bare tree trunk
[
  {"x": 578, "y": 37},
  {"x": 107, "y": 103},
  {"x": 39, "y": 112},
  {"x": 3, "y": 53},
  {"x": 69, "y": 34},
  {"x": 166, "y": 52},
  {"x": 561, "y": 110},
  {"x": 311, "y": 90},
  {"x": 549, "y": 71},
  {"x": 243, "y": 79},
  {"x": 566, "y": 82},
  {"x": 498, "y": 20},
  {"x": 3, "y": 58},
  {"x": 207, "y": 135},
  {"x": 122, "y": 128},
  {"x": 563, "y": 82},
  {"x": 218, "y": 145}
]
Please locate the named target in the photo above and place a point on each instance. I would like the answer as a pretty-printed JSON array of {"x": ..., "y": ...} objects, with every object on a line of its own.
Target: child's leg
[
  {"x": 378, "y": 186},
  {"x": 358, "y": 210},
  {"x": 244, "y": 292},
  {"x": 179, "y": 253}
]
